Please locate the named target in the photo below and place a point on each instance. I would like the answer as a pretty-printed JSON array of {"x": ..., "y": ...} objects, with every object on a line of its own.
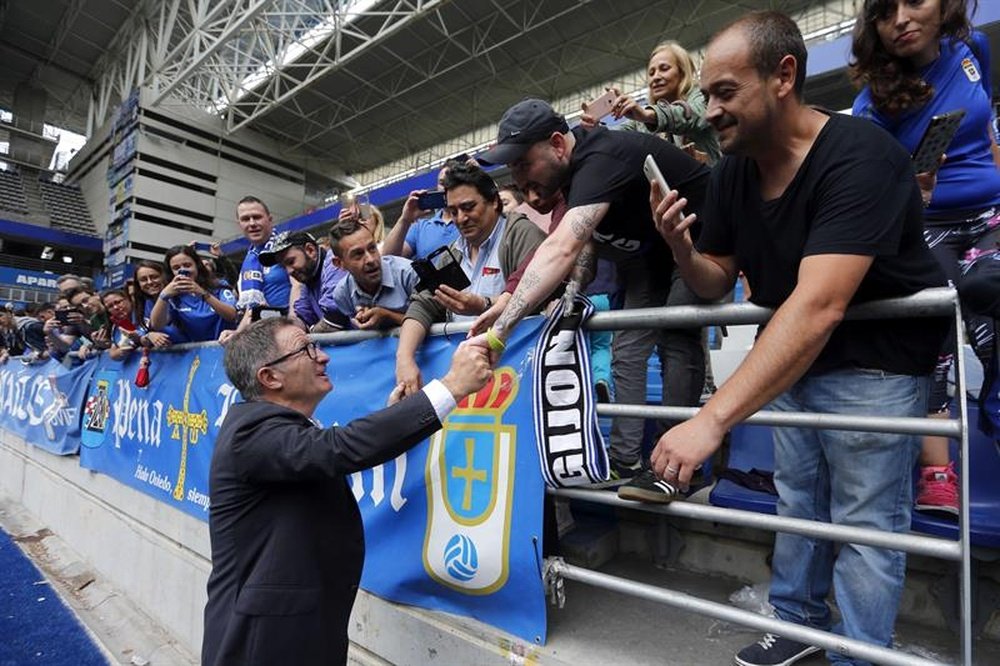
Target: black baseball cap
[
  {"x": 286, "y": 239},
  {"x": 521, "y": 126}
]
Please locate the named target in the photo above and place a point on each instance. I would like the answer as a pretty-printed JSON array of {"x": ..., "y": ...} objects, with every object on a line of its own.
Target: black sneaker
[
  {"x": 647, "y": 488},
  {"x": 621, "y": 471},
  {"x": 602, "y": 391},
  {"x": 772, "y": 650}
]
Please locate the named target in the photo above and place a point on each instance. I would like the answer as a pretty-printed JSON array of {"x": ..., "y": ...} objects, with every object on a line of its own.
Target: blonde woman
[{"x": 675, "y": 107}]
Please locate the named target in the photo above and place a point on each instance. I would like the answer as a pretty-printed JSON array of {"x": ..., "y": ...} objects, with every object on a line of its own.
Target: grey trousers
[{"x": 649, "y": 281}]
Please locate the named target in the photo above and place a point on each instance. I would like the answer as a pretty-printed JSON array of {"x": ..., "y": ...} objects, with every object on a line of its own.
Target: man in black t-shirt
[
  {"x": 820, "y": 212},
  {"x": 600, "y": 174}
]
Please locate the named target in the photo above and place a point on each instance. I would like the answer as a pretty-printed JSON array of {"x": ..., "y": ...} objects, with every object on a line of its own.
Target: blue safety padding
[
  {"x": 750, "y": 447},
  {"x": 984, "y": 492}
]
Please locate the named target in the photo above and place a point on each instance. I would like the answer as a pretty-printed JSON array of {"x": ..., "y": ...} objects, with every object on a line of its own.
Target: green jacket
[{"x": 683, "y": 119}]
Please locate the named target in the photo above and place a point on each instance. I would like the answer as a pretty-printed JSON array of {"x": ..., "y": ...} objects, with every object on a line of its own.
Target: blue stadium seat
[{"x": 750, "y": 447}]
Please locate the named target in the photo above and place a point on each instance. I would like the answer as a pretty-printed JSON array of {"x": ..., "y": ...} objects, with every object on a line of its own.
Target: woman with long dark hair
[
  {"x": 917, "y": 59},
  {"x": 192, "y": 300}
]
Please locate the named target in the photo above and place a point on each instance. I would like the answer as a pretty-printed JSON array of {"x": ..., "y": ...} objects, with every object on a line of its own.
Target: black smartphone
[
  {"x": 433, "y": 200},
  {"x": 935, "y": 141},
  {"x": 184, "y": 271},
  {"x": 258, "y": 312},
  {"x": 442, "y": 266},
  {"x": 62, "y": 316}
]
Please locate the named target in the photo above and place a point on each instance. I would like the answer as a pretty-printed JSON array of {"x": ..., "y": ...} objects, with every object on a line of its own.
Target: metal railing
[{"x": 929, "y": 303}]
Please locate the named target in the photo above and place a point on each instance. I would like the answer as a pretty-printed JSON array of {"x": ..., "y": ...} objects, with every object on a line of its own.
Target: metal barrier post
[{"x": 964, "y": 538}]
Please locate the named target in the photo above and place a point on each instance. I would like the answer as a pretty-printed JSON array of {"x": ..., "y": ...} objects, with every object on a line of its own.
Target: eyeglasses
[{"x": 311, "y": 349}]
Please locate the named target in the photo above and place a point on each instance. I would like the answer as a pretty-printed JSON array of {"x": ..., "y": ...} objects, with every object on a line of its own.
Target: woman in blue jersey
[
  {"x": 147, "y": 283},
  {"x": 917, "y": 59},
  {"x": 197, "y": 304}
]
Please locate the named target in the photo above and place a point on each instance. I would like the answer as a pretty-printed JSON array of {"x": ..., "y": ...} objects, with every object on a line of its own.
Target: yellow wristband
[{"x": 494, "y": 341}]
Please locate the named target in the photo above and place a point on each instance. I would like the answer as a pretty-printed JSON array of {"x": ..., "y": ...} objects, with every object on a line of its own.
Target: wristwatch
[{"x": 489, "y": 303}]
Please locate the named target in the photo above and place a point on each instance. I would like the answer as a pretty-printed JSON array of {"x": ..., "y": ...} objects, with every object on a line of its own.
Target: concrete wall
[{"x": 154, "y": 554}]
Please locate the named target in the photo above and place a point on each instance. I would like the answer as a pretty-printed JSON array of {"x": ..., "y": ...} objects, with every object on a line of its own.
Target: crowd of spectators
[{"x": 580, "y": 206}]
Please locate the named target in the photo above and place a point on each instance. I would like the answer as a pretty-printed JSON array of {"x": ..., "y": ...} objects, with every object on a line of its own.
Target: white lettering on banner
[
  {"x": 563, "y": 406},
  {"x": 33, "y": 281},
  {"x": 159, "y": 481},
  {"x": 396, "y": 499},
  {"x": 142, "y": 473},
  {"x": 136, "y": 418},
  {"x": 229, "y": 396},
  {"x": 199, "y": 498},
  {"x": 35, "y": 400}
]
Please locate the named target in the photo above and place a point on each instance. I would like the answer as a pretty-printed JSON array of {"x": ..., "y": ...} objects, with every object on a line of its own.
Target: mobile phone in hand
[
  {"x": 654, "y": 175},
  {"x": 433, "y": 200},
  {"x": 935, "y": 141},
  {"x": 602, "y": 106}
]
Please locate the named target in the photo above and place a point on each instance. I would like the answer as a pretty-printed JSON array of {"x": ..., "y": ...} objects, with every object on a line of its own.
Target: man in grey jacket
[
  {"x": 491, "y": 246},
  {"x": 287, "y": 538}
]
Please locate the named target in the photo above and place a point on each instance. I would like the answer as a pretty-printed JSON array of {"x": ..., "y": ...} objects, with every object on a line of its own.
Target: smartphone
[
  {"x": 935, "y": 141},
  {"x": 62, "y": 316},
  {"x": 602, "y": 106},
  {"x": 440, "y": 267},
  {"x": 364, "y": 207},
  {"x": 654, "y": 175},
  {"x": 259, "y": 312},
  {"x": 433, "y": 200},
  {"x": 184, "y": 271}
]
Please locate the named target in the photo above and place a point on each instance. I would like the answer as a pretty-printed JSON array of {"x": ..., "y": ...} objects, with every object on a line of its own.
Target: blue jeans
[{"x": 849, "y": 478}]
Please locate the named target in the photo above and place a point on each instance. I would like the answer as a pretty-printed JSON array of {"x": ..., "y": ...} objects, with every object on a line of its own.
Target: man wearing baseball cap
[
  {"x": 600, "y": 174},
  {"x": 312, "y": 266}
]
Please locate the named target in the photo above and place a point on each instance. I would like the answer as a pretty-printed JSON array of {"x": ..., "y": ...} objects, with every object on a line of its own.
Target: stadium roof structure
[{"x": 368, "y": 85}]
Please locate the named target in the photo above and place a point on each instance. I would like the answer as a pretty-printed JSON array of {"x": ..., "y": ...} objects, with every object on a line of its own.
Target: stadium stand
[
  {"x": 12, "y": 195},
  {"x": 66, "y": 207}
]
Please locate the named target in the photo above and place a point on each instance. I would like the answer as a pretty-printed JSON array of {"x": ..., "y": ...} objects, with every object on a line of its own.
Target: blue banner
[
  {"x": 455, "y": 524},
  {"x": 41, "y": 403},
  {"x": 158, "y": 439}
]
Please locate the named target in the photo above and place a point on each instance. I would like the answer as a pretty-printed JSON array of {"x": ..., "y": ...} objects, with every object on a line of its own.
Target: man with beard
[
  {"x": 600, "y": 175},
  {"x": 377, "y": 289},
  {"x": 311, "y": 265}
]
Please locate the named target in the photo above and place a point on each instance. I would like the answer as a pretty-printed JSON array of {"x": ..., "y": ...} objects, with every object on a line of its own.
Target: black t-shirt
[
  {"x": 606, "y": 167},
  {"x": 854, "y": 194}
]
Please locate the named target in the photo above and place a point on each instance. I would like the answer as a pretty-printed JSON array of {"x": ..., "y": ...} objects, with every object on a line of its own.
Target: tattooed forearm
[
  {"x": 585, "y": 267},
  {"x": 583, "y": 219},
  {"x": 552, "y": 262},
  {"x": 518, "y": 306}
]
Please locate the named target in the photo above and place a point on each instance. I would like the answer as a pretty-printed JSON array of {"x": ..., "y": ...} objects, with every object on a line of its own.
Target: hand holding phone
[{"x": 935, "y": 141}]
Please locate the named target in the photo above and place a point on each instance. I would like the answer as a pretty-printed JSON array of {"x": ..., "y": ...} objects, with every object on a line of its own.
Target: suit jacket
[{"x": 287, "y": 538}]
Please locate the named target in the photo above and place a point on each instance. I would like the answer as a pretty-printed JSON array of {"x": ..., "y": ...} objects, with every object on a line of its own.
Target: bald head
[{"x": 770, "y": 36}]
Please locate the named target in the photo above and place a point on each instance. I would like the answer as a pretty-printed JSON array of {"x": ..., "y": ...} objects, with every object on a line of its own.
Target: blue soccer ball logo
[{"x": 461, "y": 558}]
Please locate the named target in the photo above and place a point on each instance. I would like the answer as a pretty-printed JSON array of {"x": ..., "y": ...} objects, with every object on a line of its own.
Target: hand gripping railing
[{"x": 928, "y": 303}]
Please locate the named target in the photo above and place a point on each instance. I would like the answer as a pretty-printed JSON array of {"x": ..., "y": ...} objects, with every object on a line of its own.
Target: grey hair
[{"x": 249, "y": 350}]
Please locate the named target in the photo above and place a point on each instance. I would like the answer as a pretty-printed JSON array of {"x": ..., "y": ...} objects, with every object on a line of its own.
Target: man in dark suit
[{"x": 287, "y": 538}]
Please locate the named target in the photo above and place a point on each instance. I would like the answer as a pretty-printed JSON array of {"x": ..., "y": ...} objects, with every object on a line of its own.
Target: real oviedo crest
[{"x": 470, "y": 486}]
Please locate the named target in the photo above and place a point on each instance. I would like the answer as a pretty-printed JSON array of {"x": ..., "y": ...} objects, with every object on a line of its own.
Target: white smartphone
[{"x": 654, "y": 175}]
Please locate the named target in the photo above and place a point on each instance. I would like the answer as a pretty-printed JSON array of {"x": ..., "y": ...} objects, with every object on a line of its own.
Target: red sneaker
[{"x": 937, "y": 489}]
